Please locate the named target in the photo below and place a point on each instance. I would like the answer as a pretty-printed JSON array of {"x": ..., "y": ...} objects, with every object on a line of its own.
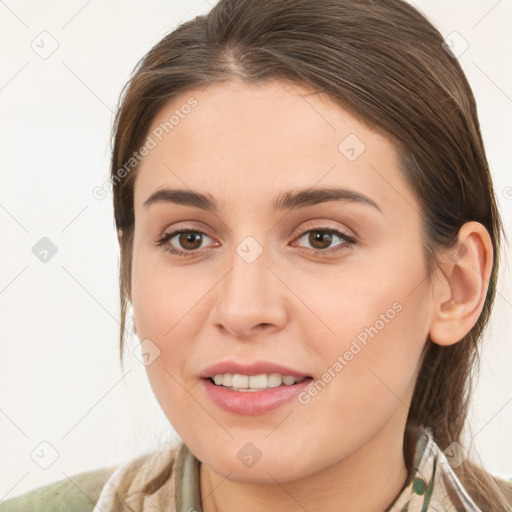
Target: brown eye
[
  {"x": 189, "y": 240},
  {"x": 320, "y": 239},
  {"x": 325, "y": 240},
  {"x": 184, "y": 242}
]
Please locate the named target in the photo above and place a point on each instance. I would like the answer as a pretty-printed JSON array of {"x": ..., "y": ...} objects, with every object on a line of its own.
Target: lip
[
  {"x": 255, "y": 368},
  {"x": 252, "y": 403}
]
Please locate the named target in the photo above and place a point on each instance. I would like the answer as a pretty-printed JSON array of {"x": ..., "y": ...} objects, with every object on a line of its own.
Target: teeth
[
  {"x": 274, "y": 380},
  {"x": 238, "y": 382},
  {"x": 257, "y": 382}
]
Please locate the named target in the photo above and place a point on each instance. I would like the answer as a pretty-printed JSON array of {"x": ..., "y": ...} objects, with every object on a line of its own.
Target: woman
[{"x": 309, "y": 240}]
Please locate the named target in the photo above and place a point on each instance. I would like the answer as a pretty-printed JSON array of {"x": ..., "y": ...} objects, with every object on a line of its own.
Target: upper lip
[{"x": 255, "y": 368}]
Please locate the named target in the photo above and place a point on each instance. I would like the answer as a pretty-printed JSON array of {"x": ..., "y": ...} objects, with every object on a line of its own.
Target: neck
[{"x": 369, "y": 479}]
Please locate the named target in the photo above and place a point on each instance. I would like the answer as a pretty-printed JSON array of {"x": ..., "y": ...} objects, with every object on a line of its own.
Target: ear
[
  {"x": 459, "y": 294},
  {"x": 119, "y": 235}
]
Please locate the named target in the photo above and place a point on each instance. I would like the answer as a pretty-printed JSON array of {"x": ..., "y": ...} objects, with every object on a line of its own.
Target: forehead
[{"x": 254, "y": 136}]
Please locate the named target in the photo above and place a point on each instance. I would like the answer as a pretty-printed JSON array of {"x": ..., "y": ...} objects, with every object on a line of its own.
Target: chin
[{"x": 266, "y": 470}]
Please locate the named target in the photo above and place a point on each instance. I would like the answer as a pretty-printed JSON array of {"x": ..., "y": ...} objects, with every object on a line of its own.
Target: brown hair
[{"x": 385, "y": 62}]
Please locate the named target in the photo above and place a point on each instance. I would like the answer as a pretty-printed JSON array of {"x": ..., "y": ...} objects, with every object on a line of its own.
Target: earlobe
[
  {"x": 119, "y": 236},
  {"x": 460, "y": 293}
]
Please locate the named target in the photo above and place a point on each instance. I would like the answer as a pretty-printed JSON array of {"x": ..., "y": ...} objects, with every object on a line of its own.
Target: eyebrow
[{"x": 290, "y": 200}]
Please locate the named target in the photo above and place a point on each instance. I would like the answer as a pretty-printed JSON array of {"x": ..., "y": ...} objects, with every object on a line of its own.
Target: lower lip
[{"x": 253, "y": 403}]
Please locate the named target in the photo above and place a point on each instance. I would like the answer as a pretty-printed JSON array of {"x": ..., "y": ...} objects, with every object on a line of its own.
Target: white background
[{"x": 61, "y": 381}]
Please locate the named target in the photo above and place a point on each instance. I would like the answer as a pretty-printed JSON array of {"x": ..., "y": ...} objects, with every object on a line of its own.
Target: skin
[{"x": 244, "y": 145}]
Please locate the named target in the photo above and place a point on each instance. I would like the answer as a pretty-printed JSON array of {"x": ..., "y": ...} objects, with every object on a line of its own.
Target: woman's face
[{"x": 260, "y": 279}]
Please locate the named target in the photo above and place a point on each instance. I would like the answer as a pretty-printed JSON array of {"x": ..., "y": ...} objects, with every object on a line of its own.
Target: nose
[{"x": 250, "y": 299}]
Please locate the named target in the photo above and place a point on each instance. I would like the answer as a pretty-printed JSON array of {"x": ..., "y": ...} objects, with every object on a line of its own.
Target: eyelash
[{"x": 349, "y": 240}]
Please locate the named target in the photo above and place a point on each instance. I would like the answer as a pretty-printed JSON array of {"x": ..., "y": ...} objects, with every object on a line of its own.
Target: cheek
[
  {"x": 167, "y": 308},
  {"x": 380, "y": 297},
  {"x": 378, "y": 320},
  {"x": 164, "y": 300},
  {"x": 170, "y": 307}
]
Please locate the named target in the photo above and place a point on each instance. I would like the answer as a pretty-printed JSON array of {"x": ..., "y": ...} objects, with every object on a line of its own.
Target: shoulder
[
  {"x": 81, "y": 492},
  {"x": 78, "y": 492}
]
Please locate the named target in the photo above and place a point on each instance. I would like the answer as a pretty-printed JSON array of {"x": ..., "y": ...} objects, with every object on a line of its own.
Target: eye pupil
[
  {"x": 320, "y": 236},
  {"x": 190, "y": 238}
]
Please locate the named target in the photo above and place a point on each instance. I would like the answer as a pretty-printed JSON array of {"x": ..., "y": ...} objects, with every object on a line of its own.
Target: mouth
[
  {"x": 259, "y": 387},
  {"x": 252, "y": 395},
  {"x": 253, "y": 383}
]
